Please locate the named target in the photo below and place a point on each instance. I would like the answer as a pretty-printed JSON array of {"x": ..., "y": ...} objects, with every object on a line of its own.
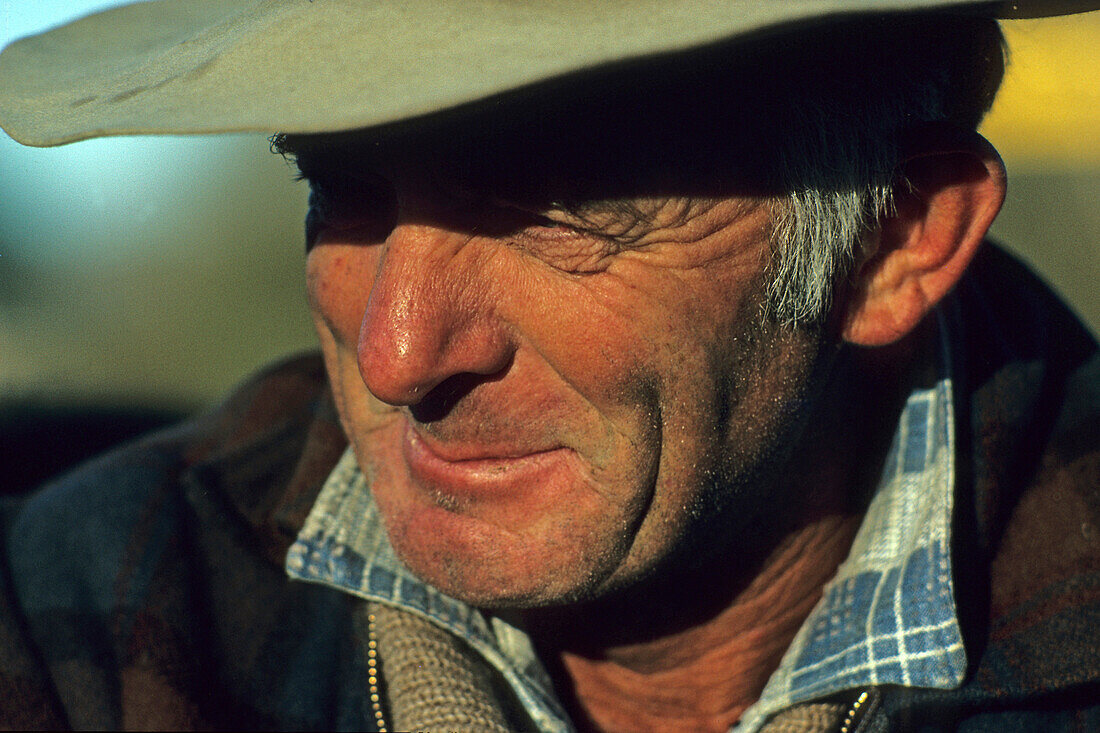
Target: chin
[
  {"x": 485, "y": 565},
  {"x": 498, "y": 533}
]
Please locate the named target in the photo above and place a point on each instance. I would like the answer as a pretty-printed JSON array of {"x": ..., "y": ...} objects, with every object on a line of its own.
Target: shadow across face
[{"x": 757, "y": 117}]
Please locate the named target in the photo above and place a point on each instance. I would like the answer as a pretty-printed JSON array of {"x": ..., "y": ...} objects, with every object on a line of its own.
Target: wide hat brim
[{"x": 303, "y": 66}]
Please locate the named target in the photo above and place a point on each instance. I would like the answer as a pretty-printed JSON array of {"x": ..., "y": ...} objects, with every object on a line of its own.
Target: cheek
[
  {"x": 637, "y": 337},
  {"x": 339, "y": 279}
]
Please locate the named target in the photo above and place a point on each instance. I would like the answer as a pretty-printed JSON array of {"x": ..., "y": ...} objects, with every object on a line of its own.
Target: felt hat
[{"x": 207, "y": 66}]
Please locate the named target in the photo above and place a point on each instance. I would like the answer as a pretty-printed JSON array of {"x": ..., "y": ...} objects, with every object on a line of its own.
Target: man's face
[{"x": 548, "y": 402}]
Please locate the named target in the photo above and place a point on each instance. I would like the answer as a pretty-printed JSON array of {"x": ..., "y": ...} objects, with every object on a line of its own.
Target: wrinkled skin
[
  {"x": 552, "y": 404},
  {"x": 543, "y": 323}
]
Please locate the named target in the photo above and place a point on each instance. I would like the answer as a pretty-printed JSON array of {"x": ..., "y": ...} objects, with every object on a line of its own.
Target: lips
[{"x": 473, "y": 472}]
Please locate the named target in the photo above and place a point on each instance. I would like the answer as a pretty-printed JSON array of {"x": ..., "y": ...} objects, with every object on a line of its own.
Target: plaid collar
[{"x": 887, "y": 617}]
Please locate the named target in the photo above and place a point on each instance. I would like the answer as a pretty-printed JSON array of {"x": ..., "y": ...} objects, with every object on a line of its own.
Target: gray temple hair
[
  {"x": 838, "y": 193},
  {"x": 839, "y": 168}
]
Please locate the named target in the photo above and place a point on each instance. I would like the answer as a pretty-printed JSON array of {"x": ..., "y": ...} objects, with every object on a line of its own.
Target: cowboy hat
[{"x": 207, "y": 66}]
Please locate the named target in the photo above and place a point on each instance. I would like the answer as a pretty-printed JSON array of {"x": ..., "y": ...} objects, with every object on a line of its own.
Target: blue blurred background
[{"x": 143, "y": 270}]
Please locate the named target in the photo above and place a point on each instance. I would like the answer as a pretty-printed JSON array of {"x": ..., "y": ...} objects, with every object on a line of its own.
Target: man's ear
[{"x": 951, "y": 187}]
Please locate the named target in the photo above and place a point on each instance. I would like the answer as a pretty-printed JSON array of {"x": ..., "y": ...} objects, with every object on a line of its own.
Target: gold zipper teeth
[
  {"x": 372, "y": 675},
  {"x": 847, "y": 724}
]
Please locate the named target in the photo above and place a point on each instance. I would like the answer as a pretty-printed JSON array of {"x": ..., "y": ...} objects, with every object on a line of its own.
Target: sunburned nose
[{"x": 428, "y": 319}]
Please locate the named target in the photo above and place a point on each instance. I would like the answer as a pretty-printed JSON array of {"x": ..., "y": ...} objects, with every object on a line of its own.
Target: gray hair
[
  {"x": 837, "y": 195},
  {"x": 838, "y": 161},
  {"x": 816, "y": 113}
]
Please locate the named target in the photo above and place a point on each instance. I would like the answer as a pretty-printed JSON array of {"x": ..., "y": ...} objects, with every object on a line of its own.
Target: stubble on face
[{"x": 656, "y": 378}]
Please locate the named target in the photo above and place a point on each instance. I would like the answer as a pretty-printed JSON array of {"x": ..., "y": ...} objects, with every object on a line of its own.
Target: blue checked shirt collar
[{"x": 888, "y": 617}]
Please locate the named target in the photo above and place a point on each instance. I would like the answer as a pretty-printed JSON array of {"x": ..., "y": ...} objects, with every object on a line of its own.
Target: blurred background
[{"x": 140, "y": 278}]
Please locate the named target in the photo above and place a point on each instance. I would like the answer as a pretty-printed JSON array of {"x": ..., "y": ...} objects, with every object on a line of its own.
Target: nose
[{"x": 430, "y": 316}]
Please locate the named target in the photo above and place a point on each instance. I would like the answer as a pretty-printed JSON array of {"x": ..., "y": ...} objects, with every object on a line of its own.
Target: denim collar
[{"x": 887, "y": 617}]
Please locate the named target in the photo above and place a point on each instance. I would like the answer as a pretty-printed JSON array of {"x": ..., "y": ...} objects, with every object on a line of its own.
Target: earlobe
[{"x": 951, "y": 187}]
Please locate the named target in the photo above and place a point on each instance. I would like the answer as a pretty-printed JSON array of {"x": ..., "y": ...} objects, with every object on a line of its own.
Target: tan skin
[
  {"x": 704, "y": 677},
  {"x": 744, "y": 622},
  {"x": 556, "y": 417}
]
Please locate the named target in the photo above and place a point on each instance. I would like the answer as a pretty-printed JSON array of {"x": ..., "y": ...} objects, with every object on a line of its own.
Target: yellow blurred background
[
  {"x": 162, "y": 271},
  {"x": 1047, "y": 114},
  {"x": 1046, "y": 124}
]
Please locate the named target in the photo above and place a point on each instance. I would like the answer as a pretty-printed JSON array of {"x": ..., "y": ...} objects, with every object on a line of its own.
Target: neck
[
  {"x": 693, "y": 649},
  {"x": 704, "y": 675}
]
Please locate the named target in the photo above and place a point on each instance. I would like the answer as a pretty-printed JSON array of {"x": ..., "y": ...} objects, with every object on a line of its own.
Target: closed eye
[{"x": 364, "y": 203}]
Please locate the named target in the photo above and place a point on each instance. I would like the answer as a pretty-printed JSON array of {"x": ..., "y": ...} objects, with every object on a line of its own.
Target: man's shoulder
[
  {"x": 1027, "y": 542},
  {"x": 1004, "y": 312},
  {"x": 256, "y": 430},
  {"x": 1028, "y": 374},
  {"x": 157, "y": 567}
]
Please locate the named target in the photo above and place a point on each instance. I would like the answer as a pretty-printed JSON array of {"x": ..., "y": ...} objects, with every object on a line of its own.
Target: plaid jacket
[{"x": 146, "y": 590}]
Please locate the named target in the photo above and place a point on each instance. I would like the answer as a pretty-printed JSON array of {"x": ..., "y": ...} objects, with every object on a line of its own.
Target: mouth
[{"x": 472, "y": 472}]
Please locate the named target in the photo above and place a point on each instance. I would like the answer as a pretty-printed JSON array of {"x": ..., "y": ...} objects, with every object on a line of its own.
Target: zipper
[
  {"x": 373, "y": 677},
  {"x": 856, "y": 717}
]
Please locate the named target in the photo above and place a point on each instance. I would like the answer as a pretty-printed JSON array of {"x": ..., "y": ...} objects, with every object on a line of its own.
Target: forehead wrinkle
[
  {"x": 626, "y": 219},
  {"x": 683, "y": 220}
]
